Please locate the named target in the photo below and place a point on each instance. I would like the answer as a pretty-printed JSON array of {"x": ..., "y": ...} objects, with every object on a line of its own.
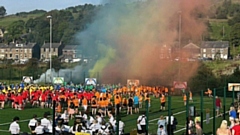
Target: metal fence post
[
  {"x": 214, "y": 111},
  {"x": 224, "y": 103},
  {"x": 169, "y": 115},
  {"x": 233, "y": 95},
  {"x": 53, "y": 115},
  {"x": 117, "y": 119},
  {"x": 187, "y": 112},
  {"x": 147, "y": 107},
  {"x": 201, "y": 105}
]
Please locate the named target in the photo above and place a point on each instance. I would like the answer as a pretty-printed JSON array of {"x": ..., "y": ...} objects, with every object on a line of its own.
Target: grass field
[
  {"x": 178, "y": 109},
  {"x": 5, "y": 21}
]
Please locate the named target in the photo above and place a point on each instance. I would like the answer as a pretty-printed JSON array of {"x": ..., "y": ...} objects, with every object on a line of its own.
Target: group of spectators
[{"x": 83, "y": 123}]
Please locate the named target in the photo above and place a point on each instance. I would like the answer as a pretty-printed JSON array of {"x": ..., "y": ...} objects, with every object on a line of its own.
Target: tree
[
  {"x": 235, "y": 34},
  {"x": 2, "y": 11},
  {"x": 16, "y": 29},
  {"x": 56, "y": 64}
]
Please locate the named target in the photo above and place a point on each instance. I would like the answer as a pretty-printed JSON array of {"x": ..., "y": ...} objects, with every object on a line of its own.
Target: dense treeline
[
  {"x": 65, "y": 24},
  {"x": 205, "y": 78}
]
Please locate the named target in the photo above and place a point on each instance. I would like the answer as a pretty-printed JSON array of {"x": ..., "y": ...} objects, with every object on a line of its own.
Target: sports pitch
[{"x": 177, "y": 107}]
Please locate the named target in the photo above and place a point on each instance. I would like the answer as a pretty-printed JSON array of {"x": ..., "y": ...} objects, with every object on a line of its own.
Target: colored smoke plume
[{"x": 128, "y": 38}]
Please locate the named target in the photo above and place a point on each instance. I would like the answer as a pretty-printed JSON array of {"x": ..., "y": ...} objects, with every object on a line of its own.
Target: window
[
  {"x": 16, "y": 50},
  {"x": 204, "y": 55},
  {"x": 54, "y": 49},
  {"x": 221, "y": 50},
  {"x": 25, "y": 55},
  {"x": 25, "y": 50},
  {"x": 2, "y": 50},
  {"x": 10, "y": 55},
  {"x": 16, "y": 56},
  {"x": 213, "y": 50},
  {"x": 204, "y": 50},
  {"x": 44, "y": 49}
]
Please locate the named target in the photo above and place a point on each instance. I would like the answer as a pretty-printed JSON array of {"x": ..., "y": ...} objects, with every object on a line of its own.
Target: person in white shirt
[
  {"x": 14, "y": 126},
  {"x": 141, "y": 124},
  {"x": 111, "y": 119},
  {"x": 171, "y": 124},
  {"x": 161, "y": 130},
  {"x": 65, "y": 117},
  {"x": 39, "y": 130},
  {"x": 46, "y": 123},
  {"x": 121, "y": 127},
  {"x": 32, "y": 123}
]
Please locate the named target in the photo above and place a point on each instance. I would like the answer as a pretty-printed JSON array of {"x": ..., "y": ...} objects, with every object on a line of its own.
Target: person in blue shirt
[
  {"x": 136, "y": 103},
  {"x": 232, "y": 112}
]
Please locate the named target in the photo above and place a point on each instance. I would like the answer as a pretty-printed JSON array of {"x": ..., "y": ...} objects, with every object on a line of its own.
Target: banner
[
  {"x": 179, "y": 85},
  {"x": 27, "y": 79},
  {"x": 80, "y": 133},
  {"x": 58, "y": 80},
  {"x": 133, "y": 82},
  {"x": 235, "y": 85},
  {"x": 89, "y": 81}
]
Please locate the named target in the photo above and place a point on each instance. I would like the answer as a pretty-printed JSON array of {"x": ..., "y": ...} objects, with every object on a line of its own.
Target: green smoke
[{"x": 107, "y": 54}]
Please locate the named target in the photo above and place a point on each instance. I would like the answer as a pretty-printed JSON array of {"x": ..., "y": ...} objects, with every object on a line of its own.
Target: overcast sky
[{"x": 15, "y": 6}]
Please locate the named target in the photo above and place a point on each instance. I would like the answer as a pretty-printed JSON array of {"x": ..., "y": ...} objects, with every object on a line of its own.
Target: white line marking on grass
[
  {"x": 7, "y": 123},
  {"x": 203, "y": 121},
  {"x": 4, "y": 131},
  {"x": 173, "y": 114}
]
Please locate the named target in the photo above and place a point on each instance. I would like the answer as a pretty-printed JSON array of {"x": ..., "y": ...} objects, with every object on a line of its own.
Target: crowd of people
[{"x": 90, "y": 107}]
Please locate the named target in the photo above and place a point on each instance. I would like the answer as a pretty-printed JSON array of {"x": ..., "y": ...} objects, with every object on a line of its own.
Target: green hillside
[{"x": 5, "y": 21}]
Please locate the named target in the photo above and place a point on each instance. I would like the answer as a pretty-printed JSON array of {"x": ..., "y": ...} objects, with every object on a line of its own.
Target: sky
[{"x": 15, "y": 6}]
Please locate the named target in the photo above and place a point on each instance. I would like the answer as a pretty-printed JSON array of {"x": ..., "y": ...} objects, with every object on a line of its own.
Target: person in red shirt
[
  {"x": 218, "y": 105},
  {"x": 2, "y": 100},
  {"x": 18, "y": 101},
  {"x": 35, "y": 98},
  {"x": 236, "y": 130},
  {"x": 42, "y": 100}
]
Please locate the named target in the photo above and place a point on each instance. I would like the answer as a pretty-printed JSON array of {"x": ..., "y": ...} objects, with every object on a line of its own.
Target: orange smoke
[{"x": 142, "y": 36}]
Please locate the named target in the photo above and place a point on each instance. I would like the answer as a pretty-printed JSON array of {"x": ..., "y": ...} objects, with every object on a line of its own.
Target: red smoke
[{"x": 138, "y": 50}]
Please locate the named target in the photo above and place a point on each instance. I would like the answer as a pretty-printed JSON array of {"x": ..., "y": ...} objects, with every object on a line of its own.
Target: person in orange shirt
[
  {"x": 76, "y": 103},
  {"x": 84, "y": 104},
  {"x": 185, "y": 99},
  {"x": 94, "y": 105},
  {"x": 58, "y": 108},
  {"x": 117, "y": 102},
  {"x": 172, "y": 90},
  {"x": 190, "y": 96},
  {"x": 166, "y": 91},
  {"x": 140, "y": 100},
  {"x": 149, "y": 100},
  {"x": 163, "y": 101}
]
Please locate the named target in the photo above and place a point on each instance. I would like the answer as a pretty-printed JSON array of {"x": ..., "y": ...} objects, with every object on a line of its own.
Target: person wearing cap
[
  {"x": 32, "y": 124},
  {"x": 14, "y": 126}
]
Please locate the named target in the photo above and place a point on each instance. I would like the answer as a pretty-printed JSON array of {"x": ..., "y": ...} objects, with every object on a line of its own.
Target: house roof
[
  {"x": 70, "y": 47},
  {"x": 215, "y": 44},
  {"x": 17, "y": 45},
  {"x": 54, "y": 45},
  {"x": 191, "y": 46}
]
